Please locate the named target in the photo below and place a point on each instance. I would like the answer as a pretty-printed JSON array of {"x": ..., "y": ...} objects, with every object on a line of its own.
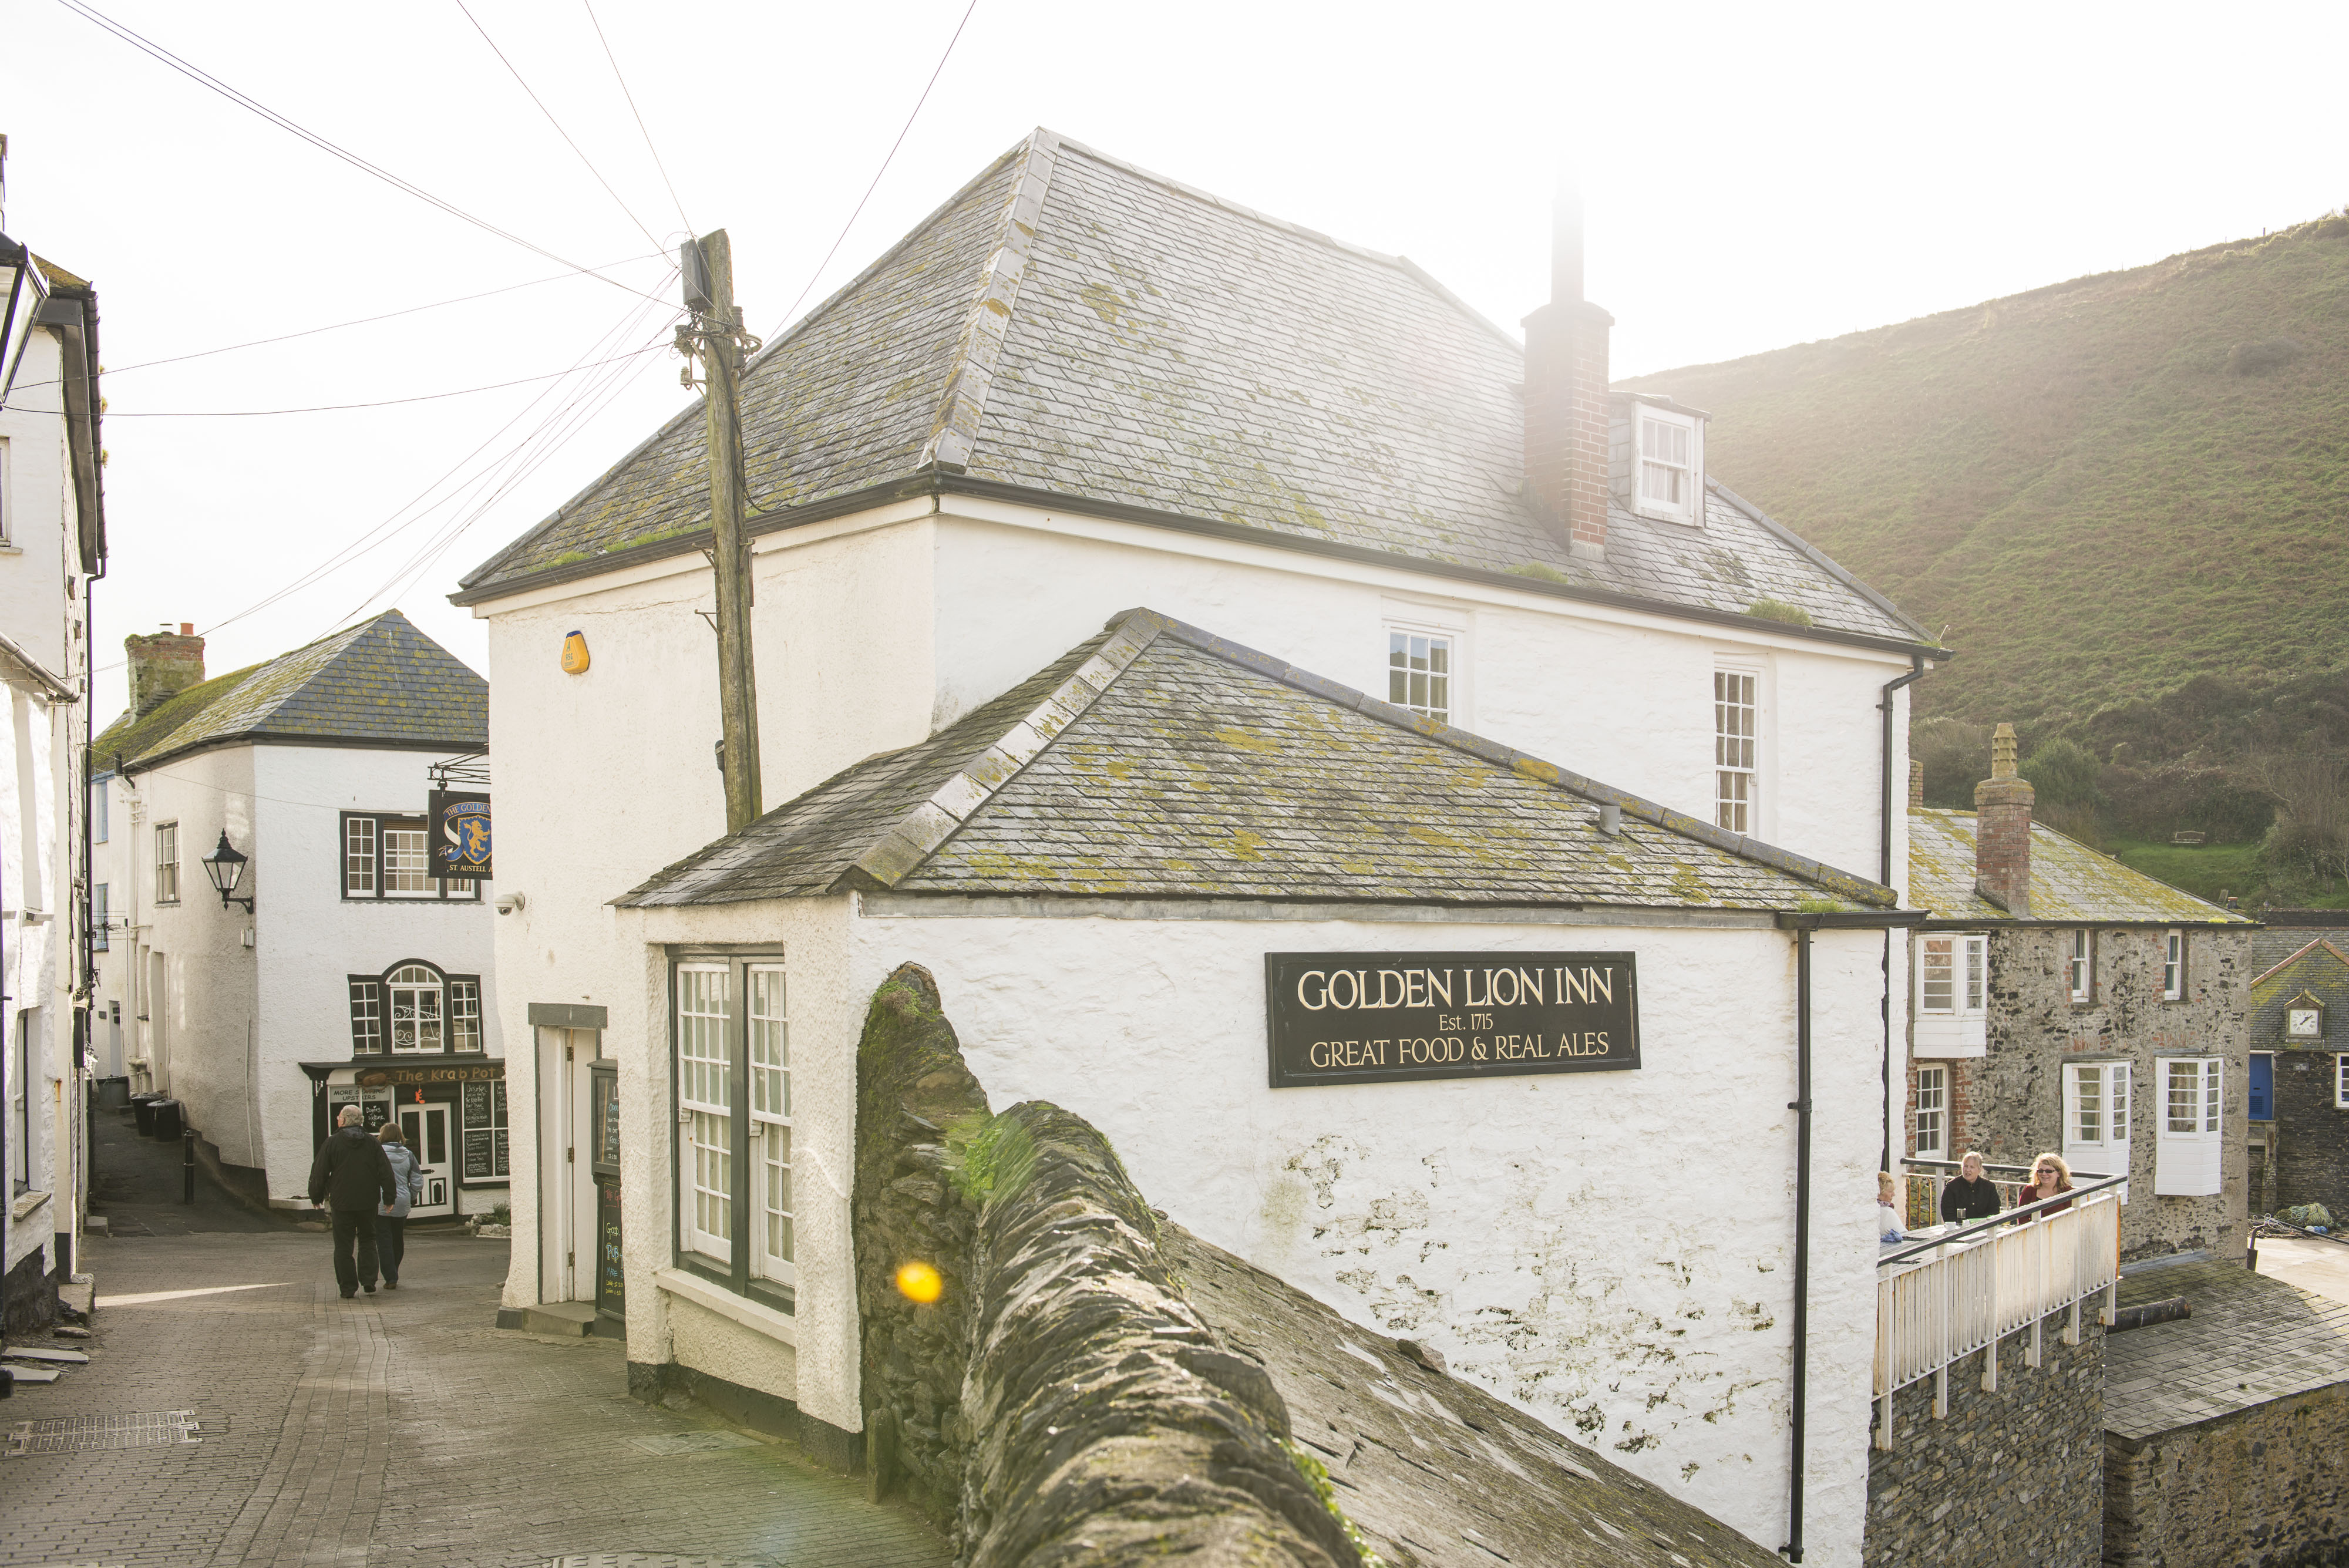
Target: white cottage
[
  {"x": 52, "y": 548},
  {"x": 338, "y": 967},
  {"x": 1079, "y": 388}
]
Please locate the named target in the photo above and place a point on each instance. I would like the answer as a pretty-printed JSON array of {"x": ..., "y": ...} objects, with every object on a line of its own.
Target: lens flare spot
[{"x": 919, "y": 1282}]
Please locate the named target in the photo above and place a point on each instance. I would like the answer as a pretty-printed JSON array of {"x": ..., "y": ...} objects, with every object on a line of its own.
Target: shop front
[{"x": 451, "y": 1114}]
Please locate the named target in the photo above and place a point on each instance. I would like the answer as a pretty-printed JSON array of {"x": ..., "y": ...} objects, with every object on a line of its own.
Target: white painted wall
[
  {"x": 1612, "y": 1251},
  {"x": 43, "y": 611},
  {"x": 236, "y": 1021}
]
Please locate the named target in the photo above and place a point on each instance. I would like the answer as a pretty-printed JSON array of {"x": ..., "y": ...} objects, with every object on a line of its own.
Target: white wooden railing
[{"x": 1937, "y": 1308}]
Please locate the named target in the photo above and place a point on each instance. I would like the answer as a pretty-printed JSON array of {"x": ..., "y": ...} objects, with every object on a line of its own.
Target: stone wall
[
  {"x": 1060, "y": 1399},
  {"x": 2267, "y": 1487},
  {"x": 2312, "y": 1133},
  {"x": 913, "y": 1094},
  {"x": 2011, "y": 1476},
  {"x": 2014, "y": 1093}
]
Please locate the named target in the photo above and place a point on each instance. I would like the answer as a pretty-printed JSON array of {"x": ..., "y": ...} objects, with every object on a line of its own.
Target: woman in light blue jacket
[{"x": 392, "y": 1219}]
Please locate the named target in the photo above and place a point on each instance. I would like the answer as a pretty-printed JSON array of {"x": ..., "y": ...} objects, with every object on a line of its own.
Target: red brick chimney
[
  {"x": 1567, "y": 409},
  {"x": 2002, "y": 830},
  {"x": 163, "y": 665},
  {"x": 1916, "y": 785}
]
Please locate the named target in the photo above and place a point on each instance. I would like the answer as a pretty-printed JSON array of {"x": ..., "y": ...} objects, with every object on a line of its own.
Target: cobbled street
[{"x": 400, "y": 1428}]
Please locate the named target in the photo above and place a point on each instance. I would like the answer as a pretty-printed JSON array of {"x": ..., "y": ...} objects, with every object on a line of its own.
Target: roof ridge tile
[{"x": 955, "y": 430}]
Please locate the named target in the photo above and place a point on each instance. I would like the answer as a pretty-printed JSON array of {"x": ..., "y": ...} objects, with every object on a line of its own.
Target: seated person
[
  {"x": 1969, "y": 1195},
  {"x": 1887, "y": 1217}
]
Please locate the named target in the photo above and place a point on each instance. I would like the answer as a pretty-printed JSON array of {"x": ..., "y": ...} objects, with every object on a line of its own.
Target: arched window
[
  {"x": 413, "y": 1008},
  {"x": 416, "y": 1010}
]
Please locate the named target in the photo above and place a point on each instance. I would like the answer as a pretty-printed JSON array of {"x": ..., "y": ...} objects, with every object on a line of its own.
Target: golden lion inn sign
[{"x": 1383, "y": 1018}]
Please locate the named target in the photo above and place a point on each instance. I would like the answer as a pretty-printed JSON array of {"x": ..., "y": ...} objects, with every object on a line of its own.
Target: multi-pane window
[
  {"x": 98, "y": 919},
  {"x": 705, "y": 1099},
  {"x": 415, "y": 995},
  {"x": 736, "y": 1209},
  {"x": 464, "y": 1014},
  {"x": 2340, "y": 1082},
  {"x": 2173, "y": 966},
  {"x": 1932, "y": 1112},
  {"x": 1667, "y": 478},
  {"x": 481, "y": 1131},
  {"x": 2080, "y": 964},
  {"x": 1419, "y": 673},
  {"x": 167, "y": 862},
  {"x": 100, "y": 817},
  {"x": 2187, "y": 1139},
  {"x": 1735, "y": 733},
  {"x": 1951, "y": 970},
  {"x": 415, "y": 1010},
  {"x": 2096, "y": 1117},
  {"x": 767, "y": 1035},
  {"x": 387, "y": 857}
]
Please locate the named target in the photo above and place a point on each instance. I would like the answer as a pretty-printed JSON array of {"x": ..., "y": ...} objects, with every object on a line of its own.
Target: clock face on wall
[{"x": 2303, "y": 1023}]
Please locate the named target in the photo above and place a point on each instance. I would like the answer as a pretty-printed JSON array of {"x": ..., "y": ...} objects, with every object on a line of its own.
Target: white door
[{"x": 426, "y": 1129}]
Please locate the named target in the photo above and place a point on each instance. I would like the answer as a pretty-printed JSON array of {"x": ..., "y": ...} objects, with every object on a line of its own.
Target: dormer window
[{"x": 1670, "y": 460}]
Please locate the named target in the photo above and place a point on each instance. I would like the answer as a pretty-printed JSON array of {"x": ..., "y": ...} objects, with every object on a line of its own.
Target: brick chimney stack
[
  {"x": 2002, "y": 830},
  {"x": 1566, "y": 412},
  {"x": 163, "y": 665}
]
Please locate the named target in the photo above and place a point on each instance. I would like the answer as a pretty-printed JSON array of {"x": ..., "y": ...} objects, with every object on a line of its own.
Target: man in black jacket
[{"x": 352, "y": 1174}]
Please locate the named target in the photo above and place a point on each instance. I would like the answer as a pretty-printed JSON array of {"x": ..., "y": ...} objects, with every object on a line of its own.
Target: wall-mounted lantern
[{"x": 225, "y": 866}]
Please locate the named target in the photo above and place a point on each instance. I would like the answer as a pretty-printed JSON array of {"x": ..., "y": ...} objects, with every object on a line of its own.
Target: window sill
[
  {"x": 717, "y": 1298},
  {"x": 25, "y": 1203}
]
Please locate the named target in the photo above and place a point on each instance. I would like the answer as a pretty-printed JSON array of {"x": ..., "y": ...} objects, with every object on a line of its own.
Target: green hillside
[{"x": 2104, "y": 487}]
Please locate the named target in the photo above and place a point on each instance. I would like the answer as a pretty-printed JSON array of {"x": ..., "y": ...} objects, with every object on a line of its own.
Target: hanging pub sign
[
  {"x": 460, "y": 834},
  {"x": 1383, "y": 1018}
]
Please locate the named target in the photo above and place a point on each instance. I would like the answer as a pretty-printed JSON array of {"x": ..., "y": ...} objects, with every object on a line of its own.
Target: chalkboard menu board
[
  {"x": 611, "y": 1278},
  {"x": 373, "y": 1103},
  {"x": 484, "y": 1121},
  {"x": 608, "y": 1122}
]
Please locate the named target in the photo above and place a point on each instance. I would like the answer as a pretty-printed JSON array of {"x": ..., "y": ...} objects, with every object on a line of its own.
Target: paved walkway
[
  {"x": 2321, "y": 1267},
  {"x": 398, "y": 1429}
]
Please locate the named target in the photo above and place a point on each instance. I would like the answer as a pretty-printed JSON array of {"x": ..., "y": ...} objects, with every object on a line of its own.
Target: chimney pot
[
  {"x": 163, "y": 665},
  {"x": 2002, "y": 804}
]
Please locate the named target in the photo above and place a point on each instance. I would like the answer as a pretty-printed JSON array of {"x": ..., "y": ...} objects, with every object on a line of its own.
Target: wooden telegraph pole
[{"x": 715, "y": 337}]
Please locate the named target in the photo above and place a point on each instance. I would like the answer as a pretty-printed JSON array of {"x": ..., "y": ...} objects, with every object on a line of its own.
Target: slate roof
[
  {"x": 1432, "y": 1468},
  {"x": 1161, "y": 760},
  {"x": 2291, "y": 962},
  {"x": 382, "y": 682},
  {"x": 2070, "y": 884},
  {"x": 1071, "y": 328}
]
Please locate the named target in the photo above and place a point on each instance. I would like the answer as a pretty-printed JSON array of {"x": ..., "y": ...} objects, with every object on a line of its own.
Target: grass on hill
[
  {"x": 2105, "y": 486},
  {"x": 2214, "y": 870}
]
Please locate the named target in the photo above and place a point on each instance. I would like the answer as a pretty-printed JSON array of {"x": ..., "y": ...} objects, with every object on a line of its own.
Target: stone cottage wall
[
  {"x": 2015, "y": 1091},
  {"x": 2011, "y": 1476},
  {"x": 1060, "y": 1400},
  {"x": 2312, "y": 1133},
  {"x": 2267, "y": 1486}
]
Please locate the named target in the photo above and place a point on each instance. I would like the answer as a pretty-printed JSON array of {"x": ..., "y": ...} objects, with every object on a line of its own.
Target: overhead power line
[
  {"x": 339, "y": 407},
  {"x": 205, "y": 78},
  {"x": 566, "y": 136},
  {"x": 909, "y": 125},
  {"x": 111, "y": 372},
  {"x": 640, "y": 119}
]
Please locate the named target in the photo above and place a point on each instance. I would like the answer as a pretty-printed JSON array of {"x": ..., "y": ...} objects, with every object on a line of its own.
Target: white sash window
[
  {"x": 2186, "y": 1140},
  {"x": 1952, "y": 993},
  {"x": 768, "y": 1029},
  {"x": 704, "y": 1085},
  {"x": 2096, "y": 1117},
  {"x": 1932, "y": 1112}
]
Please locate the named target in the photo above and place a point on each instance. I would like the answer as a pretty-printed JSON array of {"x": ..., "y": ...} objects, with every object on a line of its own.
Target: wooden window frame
[
  {"x": 747, "y": 1270},
  {"x": 2080, "y": 967},
  {"x": 1740, "y": 810},
  {"x": 369, "y": 1004},
  {"x": 2187, "y": 1163},
  {"x": 1447, "y": 711},
  {"x": 167, "y": 871},
  {"x": 444, "y": 890},
  {"x": 1690, "y": 508},
  {"x": 1938, "y": 1073},
  {"x": 2173, "y": 965}
]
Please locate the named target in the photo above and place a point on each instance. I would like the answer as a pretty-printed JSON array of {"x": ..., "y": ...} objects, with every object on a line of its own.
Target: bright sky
[{"x": 1755, "y": 176}]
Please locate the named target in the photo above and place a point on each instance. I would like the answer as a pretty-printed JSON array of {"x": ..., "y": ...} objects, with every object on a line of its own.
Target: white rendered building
[
  {"x": 52, "y": 547},
  {"x": 355, "y": 974},
  {"x": 1075, "y": 390}
]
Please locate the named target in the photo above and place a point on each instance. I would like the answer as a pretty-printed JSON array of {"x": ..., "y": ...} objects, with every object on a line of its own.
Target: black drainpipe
[
  {"x": 1883, "y": 875},
  {"x": 1801, "y": 1106}
]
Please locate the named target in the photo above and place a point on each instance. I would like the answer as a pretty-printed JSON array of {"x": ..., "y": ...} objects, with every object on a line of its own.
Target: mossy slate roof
[
  {"x": 2070, "y": 884},
  {"x": 381, "y": 683},
  {"x": 1158, "y": 760},
  {"x": 1080, "y": 328}
]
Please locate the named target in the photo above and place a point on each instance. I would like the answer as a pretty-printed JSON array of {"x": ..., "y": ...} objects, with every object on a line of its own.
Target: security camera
[{"x": 509, "y": 902}]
